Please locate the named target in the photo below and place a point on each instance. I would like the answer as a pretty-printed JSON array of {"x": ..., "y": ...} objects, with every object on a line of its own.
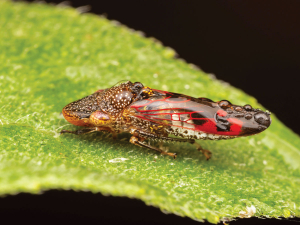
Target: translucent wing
[
  {"x": 201, "y": 114},
  {"x": 179, "y": 110}
]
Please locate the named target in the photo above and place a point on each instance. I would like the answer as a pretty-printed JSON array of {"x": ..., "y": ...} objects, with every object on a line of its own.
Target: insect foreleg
[
  {"x": 137, "y": 141},
  {"x": 80, "y": 131},
  {"x": 89, "y": 130}
]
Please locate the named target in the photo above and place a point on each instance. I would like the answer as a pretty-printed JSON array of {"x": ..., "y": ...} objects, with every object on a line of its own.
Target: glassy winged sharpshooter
[{"x": 152, "y": 114}]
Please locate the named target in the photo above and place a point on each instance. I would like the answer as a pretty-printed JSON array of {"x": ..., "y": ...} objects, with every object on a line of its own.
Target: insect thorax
[{"x": 116, "y": 99}]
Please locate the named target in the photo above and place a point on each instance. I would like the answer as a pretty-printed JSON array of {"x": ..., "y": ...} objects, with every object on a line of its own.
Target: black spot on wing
[
  {"x": 222, "y": 127},
  {"x": 200, "y": 122},
  {"x": 222, "y": 123},
  {"x": 173, "y": 95},
  {"x": 198, "y": 118},
  {"x": 197, "y": 115}
]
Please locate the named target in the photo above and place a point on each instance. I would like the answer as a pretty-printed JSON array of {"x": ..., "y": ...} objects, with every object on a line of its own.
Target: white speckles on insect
[{"x": 150, "y": 114}]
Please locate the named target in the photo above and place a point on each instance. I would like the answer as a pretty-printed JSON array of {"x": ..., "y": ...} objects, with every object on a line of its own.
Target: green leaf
[{"x": 51, "y": 56}]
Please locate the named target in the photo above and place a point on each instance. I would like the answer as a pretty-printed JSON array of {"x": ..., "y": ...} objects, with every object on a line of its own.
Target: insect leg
[
  {"x": 136, "y": 140},
  {"x": 205, "y": 152},
  {"x": 144, "y": 135},
  {"x": 80, "y": 131},
  {"x": 89, "y": 130}
]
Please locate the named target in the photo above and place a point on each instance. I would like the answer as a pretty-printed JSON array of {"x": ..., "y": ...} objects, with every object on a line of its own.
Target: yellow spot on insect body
[
  {"x": 148, "y": 91},
  {"x": 99, "y": 118},
  {"x": 165, "y": 122},
  {"x": 151, "y": 128},
  {"x": 155, "y": 128}
]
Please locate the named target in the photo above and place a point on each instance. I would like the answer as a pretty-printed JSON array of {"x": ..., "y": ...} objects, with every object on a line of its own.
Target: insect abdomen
[{"x": 193, "y": 134}]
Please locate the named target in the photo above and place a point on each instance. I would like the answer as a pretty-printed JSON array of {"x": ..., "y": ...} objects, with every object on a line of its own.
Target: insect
[{"x": 150, "y": 114}]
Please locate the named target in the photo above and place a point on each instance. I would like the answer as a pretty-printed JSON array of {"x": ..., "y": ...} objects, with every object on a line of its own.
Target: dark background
[{"x": 252, "y": 44}]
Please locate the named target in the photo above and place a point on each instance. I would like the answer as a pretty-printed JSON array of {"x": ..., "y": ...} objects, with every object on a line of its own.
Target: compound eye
[
  {"x": 224, "y": 104},
  {"x": 262, "y": 119},
  {"x": 136, "y": 87}
]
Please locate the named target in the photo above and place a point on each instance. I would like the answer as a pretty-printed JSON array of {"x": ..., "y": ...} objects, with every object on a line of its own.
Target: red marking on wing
[
  {"x": 161, "y": 109},
  {"x": 166, "y": 113},
  {"x": 208, "y": 127},
  {"x": 167, "y": 108},
  {"x": 236, "y": 126},
  {"x": 151, "y": 119},
  {"x": 222, "y": 112},
  {"x": 185, "y": 112},
  {"x": 147, "y": 102},
  {"x": 160, "y": 91},
  {"x": 177, "y": 101}
]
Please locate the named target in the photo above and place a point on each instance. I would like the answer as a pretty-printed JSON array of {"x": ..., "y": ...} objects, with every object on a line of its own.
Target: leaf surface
[{"x": 51, "y": 56}]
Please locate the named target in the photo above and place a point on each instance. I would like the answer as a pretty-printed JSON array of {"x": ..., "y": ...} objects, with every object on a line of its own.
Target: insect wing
[{"x": 179, "y": 110}]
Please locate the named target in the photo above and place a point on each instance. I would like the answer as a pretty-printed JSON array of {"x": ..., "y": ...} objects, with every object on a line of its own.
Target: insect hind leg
[
  {"x": 145, "y": 135},
  {"x": 205, "y": 152}
]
